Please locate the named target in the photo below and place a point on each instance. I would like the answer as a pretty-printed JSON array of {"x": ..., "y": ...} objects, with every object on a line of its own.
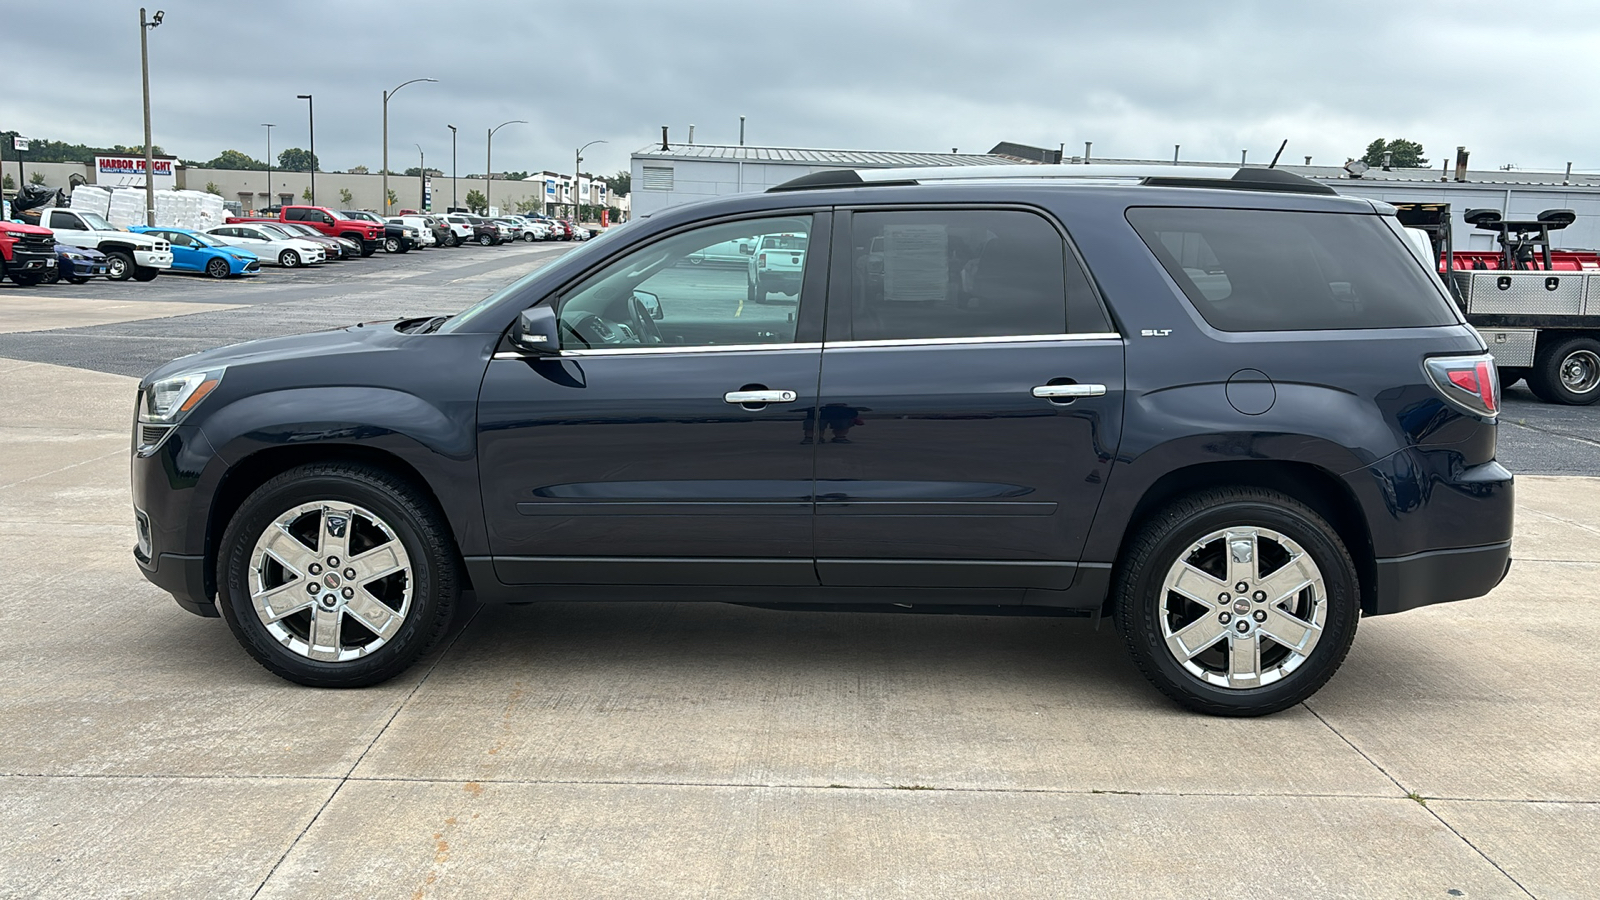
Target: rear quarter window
[{"x": 1270, "y": 270}]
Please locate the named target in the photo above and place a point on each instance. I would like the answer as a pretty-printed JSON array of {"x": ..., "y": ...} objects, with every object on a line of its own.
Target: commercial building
[{"x": 668, "y": 174}]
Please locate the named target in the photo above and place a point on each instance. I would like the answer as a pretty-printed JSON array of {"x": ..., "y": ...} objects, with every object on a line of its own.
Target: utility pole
[
  {"x": 269, "y": 126},
  {"x": 577, "y": 175},
  {"x": 422, "y": 180},
  {"x": 741, "y": 131},
  {"x": 311, "y": 120},
  {"x": 149, "y": 153},
  {"x": 386, "y": 96},
  {"x": 452, "y": 166},
  {"x": 488, "y": 161}
]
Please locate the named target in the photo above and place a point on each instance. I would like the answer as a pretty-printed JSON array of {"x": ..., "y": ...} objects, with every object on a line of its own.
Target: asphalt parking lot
[{"x": 677, "y": 750}]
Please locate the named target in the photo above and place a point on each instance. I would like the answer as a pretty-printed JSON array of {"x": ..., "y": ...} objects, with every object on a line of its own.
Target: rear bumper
[{"x": 1439, "y": 576}]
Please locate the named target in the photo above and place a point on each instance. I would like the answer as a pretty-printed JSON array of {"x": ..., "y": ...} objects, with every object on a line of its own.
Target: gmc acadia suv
[{"x": 1227, "y": 409}]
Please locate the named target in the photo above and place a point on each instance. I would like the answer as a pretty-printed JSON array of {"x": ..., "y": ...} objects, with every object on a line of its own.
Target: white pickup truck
[
  {"x": 776, "y": 261},
  {"x": 128, "y": 255}
]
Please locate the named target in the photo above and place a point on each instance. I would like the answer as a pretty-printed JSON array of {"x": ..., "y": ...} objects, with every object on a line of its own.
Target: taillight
[
  {"x": 761, "y": 260},
  {"x": 1470, "y": 382}
]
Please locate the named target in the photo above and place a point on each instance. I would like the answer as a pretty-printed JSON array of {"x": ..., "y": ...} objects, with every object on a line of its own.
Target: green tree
[
  {"x": 296, "y": 160},
  {"x": 8, "y": 183},
  {"x": 36, "y": 178},
  {"x": 515, "y": 176},
  {"x": 529, "y": 204},
  {"x": 211, "y": 188},
  {"x": 1404, "y": 154},
  {"x": 392, "y": 198},
  {"x": 476, "y": 201},
  {"x": 345, "y": 197},
  {"x": 233, "y": 159},
  {"x": 619, "y": 184},
  {"x": 357, "y": 170},
  {"x": 306, "y": 194}
]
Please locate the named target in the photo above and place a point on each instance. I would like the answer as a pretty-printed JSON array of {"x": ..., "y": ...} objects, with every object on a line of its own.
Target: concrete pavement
[{"x": 675, "y": 750}]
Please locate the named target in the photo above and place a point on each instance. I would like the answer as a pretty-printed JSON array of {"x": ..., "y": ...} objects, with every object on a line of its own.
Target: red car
[{"x": 368, "y": 234}]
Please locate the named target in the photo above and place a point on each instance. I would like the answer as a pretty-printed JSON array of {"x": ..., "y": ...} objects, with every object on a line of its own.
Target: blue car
[
  {"x": 77, "y": 265},
  {"x": 195, "y": 251}
]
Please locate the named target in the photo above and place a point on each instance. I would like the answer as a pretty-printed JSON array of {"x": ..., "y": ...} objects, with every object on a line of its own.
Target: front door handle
[
  {"x": 1068, "y": 391},
  {"x": 759, "y": 397}
]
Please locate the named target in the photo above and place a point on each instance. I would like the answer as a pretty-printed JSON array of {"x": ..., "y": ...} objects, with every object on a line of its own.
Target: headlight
[
  {"x": 74, "y": 256},
  {"x": 167, "y": 401}
]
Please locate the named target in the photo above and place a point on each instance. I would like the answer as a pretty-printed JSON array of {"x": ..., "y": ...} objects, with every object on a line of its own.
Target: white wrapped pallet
[
  {"x": 126, "y": 207},
  {"x": 91, "y": 198}
]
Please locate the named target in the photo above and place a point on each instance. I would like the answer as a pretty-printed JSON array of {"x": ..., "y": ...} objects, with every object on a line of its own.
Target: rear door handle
[
  {"x": 1068, "y": 391},
  {"x": 759, "y": 397}
]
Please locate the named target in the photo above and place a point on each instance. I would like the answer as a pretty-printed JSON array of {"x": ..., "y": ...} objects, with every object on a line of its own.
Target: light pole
[
  {"x": 488, "y": 162},
  {"x": 269, "y": 126},
  {"x": 311, "y": 121},
  {"x": 149, "y": 153},
  {"x": 452, "y": 167},
  {"x": 386, "y": 96},
  {"x": 422, "y": 179},
  {"x": 577, "y": 175}
]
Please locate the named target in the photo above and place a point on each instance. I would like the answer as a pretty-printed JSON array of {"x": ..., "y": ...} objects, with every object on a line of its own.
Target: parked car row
[{"x": 77, "y": 245}]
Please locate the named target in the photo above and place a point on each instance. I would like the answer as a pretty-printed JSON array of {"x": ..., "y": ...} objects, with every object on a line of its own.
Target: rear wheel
[
  {"x": 337, "y": 575},
  {"x": 145, "y": 273},
  {"x": 119, "y": 265},
  {"x": 289, "y": 259},
  {"x": 1237, "y": 601},
  {"x": 218, "y": 268},
  {"x": 484, "y": 240},
  {"x": 528, "y": 236},
  {"x": 1567, "y": 371}
]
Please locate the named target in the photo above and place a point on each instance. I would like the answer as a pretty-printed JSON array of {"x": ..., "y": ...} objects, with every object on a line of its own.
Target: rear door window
[
  {"x": 1270, "y": 270},
  {"x": 942, "y": 273}
]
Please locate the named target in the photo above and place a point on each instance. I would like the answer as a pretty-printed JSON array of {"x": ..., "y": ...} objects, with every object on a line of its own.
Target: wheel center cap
[
  {"x": 1240, "y": 606},
  {"x": 331, "y": 580}
]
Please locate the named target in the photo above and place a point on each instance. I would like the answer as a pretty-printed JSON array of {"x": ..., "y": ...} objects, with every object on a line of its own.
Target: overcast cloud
[{"x": 1134, "y": 77}]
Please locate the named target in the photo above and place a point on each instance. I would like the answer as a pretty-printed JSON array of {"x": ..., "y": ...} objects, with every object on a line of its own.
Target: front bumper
[
  {"x": 24, "y": 261},
  {"x": 153, "y": 259},
  {"x": 83, "y": 268},
  {"x": 170, "y": 506}
]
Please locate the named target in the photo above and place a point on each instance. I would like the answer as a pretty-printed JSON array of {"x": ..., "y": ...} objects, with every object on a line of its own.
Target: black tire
[
  {"x": 453, "y": 240},
  {"x": 418, "y": 525},
  {"x": 145, "y": 273},
  {"x": 26, "y": 279},
  {"x": 750, "y": 292},
  {"x": 485, "y": 240},
  {"x": 51, "y": 276},
  {"x": 78, "y": 279},
  {"x": 1172, "y": 535},
  {"x": 368, "y": 248},
  {"x": 218, "y": 268},
  {"x": 528, "y": 236},
  {"x": 391, "y": 245},
  {"x": 1567, "y": 371},
  {"x": 289, "y": 259},
  {"x": 119, "y": 265}
]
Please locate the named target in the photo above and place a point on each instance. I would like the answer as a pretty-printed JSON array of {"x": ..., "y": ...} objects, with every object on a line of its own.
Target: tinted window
[
  {"x": 64, "y": 220},
  {"x": 294, "y": 215},
  {"x": 178, "y": 238},
  {"x": 965, "y": 273},
  {"x": 1261, "y": 270},
  {"x": 699, "y": 304}
]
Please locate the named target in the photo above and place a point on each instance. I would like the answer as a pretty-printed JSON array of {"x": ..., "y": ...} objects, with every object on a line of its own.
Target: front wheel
[
  {"x": 1237, "y": 601},
  {"x": 289, "y": 259},
  {"x": 145, "y": 273},
  {"x": 337, "y": 575},
  {"x": 119, "y": 265},
  {"x": 78, "y": 279},
  {"x": 1567, "y": 371},
  {"x": 528, "y": 236},
  {"x": 218, "y": 268},
  {"x": 391, "y": 245},
  {"x": 51, "y": 276},
  {"x": 26, "y": 279}
]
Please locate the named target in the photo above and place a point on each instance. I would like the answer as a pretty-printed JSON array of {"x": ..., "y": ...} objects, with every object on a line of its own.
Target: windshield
[
  {"x": 278, "y": 232},
  {"x": 96, "y": 223},
  {"x": 204, "y": 240},
  {"x": 469, "y": 317}
]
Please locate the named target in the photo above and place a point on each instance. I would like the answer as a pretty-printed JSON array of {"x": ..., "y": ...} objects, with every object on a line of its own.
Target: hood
[
  {"x": 19, "y": 228},
  {"x": 85, "y": 252},
  {"x": 350, "y": 339}
]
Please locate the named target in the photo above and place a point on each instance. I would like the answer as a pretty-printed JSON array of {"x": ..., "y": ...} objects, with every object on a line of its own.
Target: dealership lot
[{"x": 679, "y": 750}]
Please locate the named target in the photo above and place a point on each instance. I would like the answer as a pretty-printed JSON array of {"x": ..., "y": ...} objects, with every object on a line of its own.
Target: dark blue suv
[{"x": 1224, "y": 407}]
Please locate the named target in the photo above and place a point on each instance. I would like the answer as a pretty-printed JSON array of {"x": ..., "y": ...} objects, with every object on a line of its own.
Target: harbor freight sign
[{"x": 128, "y": 171}]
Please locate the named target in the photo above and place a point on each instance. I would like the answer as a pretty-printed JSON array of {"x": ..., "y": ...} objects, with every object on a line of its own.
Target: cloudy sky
[{"x": 1134, "y": 77}]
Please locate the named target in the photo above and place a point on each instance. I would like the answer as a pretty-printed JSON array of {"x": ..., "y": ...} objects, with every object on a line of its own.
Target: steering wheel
[
  {"x": 643, "y": 325},
  {"x": 591, "y": 330}
]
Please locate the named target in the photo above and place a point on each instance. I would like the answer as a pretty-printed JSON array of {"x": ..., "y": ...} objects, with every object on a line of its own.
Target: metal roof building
[{"x": 666, "y": 175}]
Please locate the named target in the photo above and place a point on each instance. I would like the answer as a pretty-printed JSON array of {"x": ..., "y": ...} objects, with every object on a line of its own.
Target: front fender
[{"x": 438, "y": 441}]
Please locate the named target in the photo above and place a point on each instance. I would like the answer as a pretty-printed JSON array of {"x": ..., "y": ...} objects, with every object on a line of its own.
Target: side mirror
[
  {"x": 651, "y": 304},
  {"x": 746, "y": 249},
  {"x": 535, "y": 330}
]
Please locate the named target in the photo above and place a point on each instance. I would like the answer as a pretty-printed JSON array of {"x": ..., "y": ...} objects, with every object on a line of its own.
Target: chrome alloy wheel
[
  {"x": 1243, "y": 608},
  {"x": 1580, "y": 371},
  {"x": 330, "y": 581}
]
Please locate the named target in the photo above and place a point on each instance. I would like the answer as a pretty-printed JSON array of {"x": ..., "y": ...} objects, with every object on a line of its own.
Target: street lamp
[
  {"x": 577, "y": 175},
  {"x": 386, "y": 96},
  {"x": 452, "y": 167},
  {"x": 311, "y": 121},
  {"x": 488, "y": 162},
  {"x": 269, "y": 126},
  {"x": 422, "y": 179},
  {"x": 149, "y": 154}
]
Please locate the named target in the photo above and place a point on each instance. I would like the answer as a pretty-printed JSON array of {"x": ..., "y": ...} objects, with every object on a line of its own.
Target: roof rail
[{"x": 1216, "y": 177}]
